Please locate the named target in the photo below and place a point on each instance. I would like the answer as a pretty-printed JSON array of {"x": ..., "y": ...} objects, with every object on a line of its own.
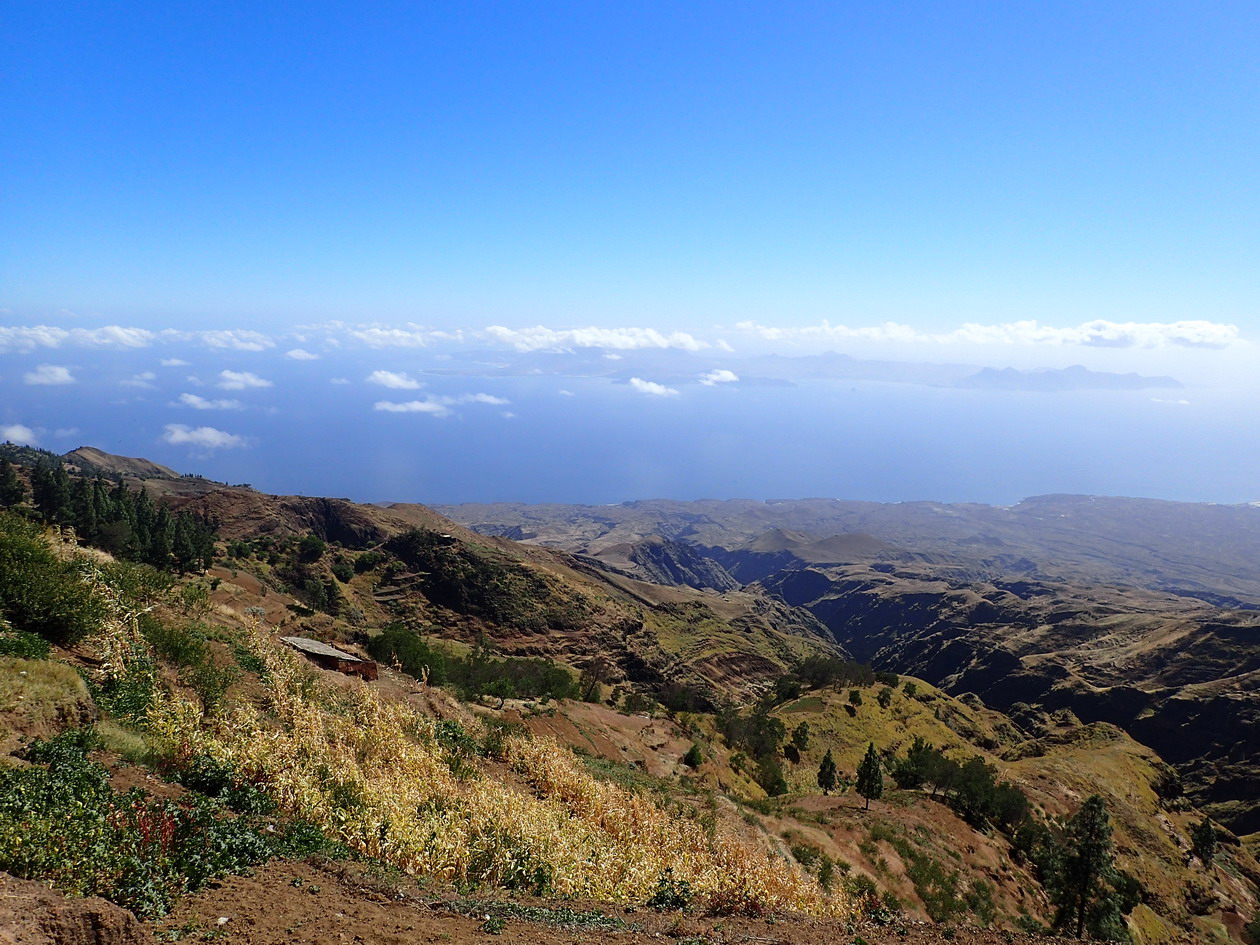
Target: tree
[
  {"x": 855, "y": 697},
  {"x": 694, "y": 757},
  {"x": 827, "y": 773},
  {"x": 1083, "y": 893},
  {"x": 12, "y": 489},
  {"x": 1203, "y": 841},
  {"x": 870, "y": 776},
  {"x": 885, "y": 697},
  {"x": 800, "y": 737},
  {"x": 917, "y": 767}
]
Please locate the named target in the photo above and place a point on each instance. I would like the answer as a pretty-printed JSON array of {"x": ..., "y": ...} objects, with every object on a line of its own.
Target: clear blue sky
[{"x": 666, "y": 164}]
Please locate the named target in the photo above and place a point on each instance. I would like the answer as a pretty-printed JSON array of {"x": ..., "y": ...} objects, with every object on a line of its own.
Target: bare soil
[{"x": 331, "y": 903}]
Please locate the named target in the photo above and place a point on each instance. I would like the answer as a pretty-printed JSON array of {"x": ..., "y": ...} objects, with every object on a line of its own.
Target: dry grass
[{"x": 371, "y": 772}]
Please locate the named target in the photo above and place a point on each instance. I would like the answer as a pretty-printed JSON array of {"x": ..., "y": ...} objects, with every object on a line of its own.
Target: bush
[
  {"x": 24, "y": 645},
  {"x": 670, "y": 892},
  {"x": 475, "y": 675},
  {"x": 39, "y": 593},
  {"x": 61, "y": 822}
]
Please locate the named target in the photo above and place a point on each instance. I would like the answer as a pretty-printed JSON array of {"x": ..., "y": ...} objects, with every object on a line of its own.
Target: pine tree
[
  {"x": 827, "y": 773},
  {"x": 1203, "y": 840},
  {"x": 12, "y": 489},
  {"x": 800, "y": 737},
  {"x": 1084, "y": 893},
  {"x": 870, "y": 776}
]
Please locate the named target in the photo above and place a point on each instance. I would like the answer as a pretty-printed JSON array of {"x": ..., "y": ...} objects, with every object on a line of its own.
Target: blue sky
[{"x": 1003, "y": 184}]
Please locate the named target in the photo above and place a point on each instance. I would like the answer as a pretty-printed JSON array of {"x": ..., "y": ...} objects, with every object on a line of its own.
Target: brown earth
[
  {"x": 33, "y": 914},
  {"x": 330, "y": 903}
]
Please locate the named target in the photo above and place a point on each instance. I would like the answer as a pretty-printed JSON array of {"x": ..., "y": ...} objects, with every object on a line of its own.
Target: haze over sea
[
  {"x": 463, "y": 426},
  {"x": 551, "y": 252}
]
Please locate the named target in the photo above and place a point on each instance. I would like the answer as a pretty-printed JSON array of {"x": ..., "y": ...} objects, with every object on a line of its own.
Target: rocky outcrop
[{"x": 672, "y": 562}]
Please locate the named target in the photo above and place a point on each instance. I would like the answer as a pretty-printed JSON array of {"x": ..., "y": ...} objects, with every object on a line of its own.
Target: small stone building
[{"x": 329, "y": 657}]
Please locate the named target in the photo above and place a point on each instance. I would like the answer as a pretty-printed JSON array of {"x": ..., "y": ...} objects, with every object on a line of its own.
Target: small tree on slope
[
  {"x": 1084, "y": 888},
  {"x": 870, "y": 776},
  {"x": 827, "y": 773}
]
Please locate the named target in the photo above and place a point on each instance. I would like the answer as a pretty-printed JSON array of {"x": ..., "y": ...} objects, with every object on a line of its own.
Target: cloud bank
[
  {"x": 438, "y": 406},
  {"x": 1096, "y": 333},
  {"x": 201, "y": 403},
  {"x": 19, "y": 433},
  {"x": 241, "y": 380},
  {"x": 541, "y": 338}
]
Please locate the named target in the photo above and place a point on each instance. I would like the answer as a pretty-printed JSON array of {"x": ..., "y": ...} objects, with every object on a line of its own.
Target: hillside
[{"x": 545, "y": 725}]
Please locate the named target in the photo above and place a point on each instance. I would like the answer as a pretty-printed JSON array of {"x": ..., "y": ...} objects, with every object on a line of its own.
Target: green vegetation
[
  {"x": 1203, "y": 841},
  {"x": 477, "y": 674},
  {"x": 474, "y": 581},
  {"x": 870, "y": 776},
  {"x": 125, "y": 523},
  {"x": 1082, "y": 884},
  {"x": 61, "y": 822},
  {"x": 39, "y": 593},
  {"x": 827, "y": 775}
]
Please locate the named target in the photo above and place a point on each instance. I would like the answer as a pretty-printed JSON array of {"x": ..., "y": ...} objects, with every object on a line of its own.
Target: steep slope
[{"x": 1178, "y": 675}]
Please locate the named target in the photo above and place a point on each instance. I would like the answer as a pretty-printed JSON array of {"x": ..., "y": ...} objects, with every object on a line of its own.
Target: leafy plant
[
  {"x": 61, "y": 822},
  {"x": 671, "y": 892}
]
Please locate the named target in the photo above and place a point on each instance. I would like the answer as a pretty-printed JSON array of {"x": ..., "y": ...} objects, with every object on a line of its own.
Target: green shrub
[
  {"x": 24, "y": 645},
  {"x": 183, "y": 646},
  {"x": 670, "y": 892},
  {"x": 60, "y": 822},
  {"x": 39, "y": 593}
]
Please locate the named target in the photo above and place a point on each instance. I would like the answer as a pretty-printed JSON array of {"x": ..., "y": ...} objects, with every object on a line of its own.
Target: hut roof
[{"x": 316, "y": 648}]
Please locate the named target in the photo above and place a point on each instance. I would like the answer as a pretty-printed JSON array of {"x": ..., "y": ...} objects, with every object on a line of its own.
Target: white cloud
[
  {"x": 1096, "y": 333},
  {"x": 49, "y": 374},
  {"x": 567, "y": 393},
  {"x": 478, "y": 399},
  {"x": 232, "y": 339},
  {"x": 409, "y": 336},
  {"x": 241, "y": 380},
  {"x": 206, "y": 438},
  {"x": 339, "y": 380},
  {"x": 65, "y": 431},
  {"x": 19, "y": 433},
  {"x": 28, "y": 338},
  {"x": 651, "y": 387},
  {"x": 299, "y": 354},
  {"x": 718, "y": 376},
  {"x": 433, "y": 407},
  {"x": 19, "y": 338},
  {"x": 113, "y": 336},
  {"x": 140, "y": 380},
  {"x": 439, "y": 406},
  {"x": 201, "y": 403},
  {"x": 173, "y": 362},
  {"x": 1179, "y": 403},
  {"x": 393, "y": 380},
  {"x": 541, "y": 338}
]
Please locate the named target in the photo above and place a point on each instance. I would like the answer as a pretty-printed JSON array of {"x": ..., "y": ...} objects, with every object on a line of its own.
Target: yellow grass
[{"x": 370, "y": 772}]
